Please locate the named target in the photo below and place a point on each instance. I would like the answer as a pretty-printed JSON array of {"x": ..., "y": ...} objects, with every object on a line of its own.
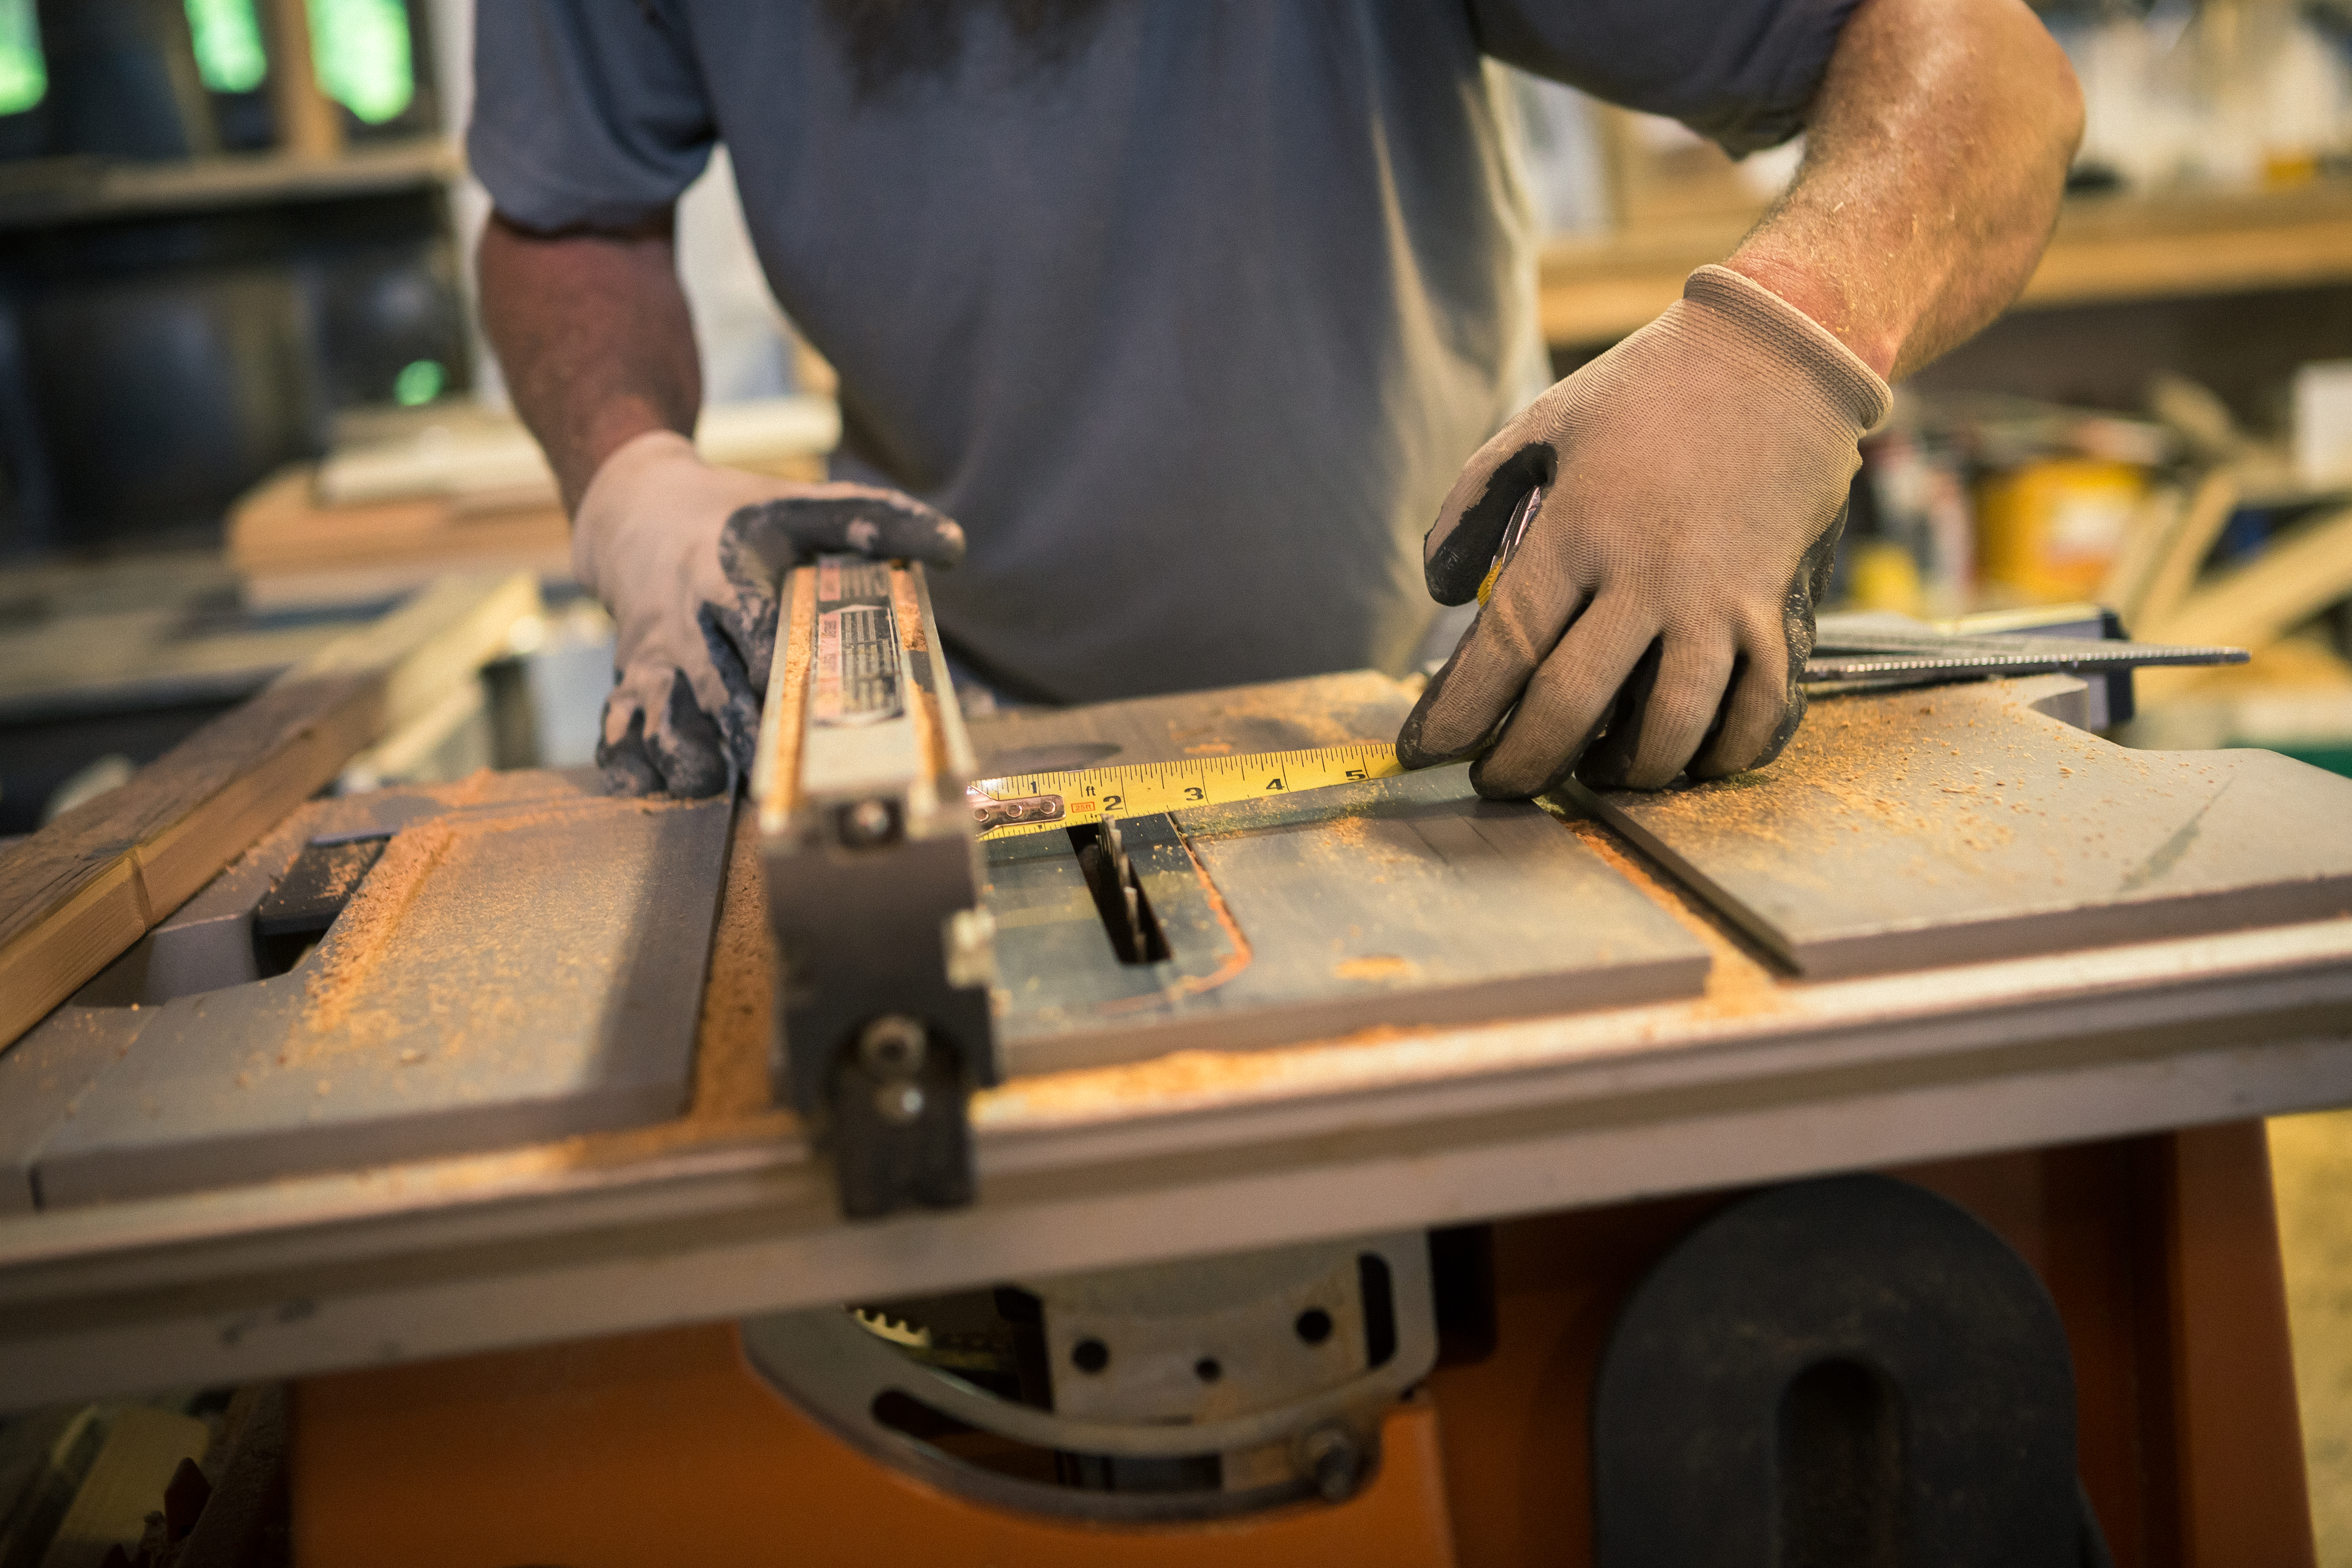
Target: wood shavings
[{"x": 731, "y": 1065}]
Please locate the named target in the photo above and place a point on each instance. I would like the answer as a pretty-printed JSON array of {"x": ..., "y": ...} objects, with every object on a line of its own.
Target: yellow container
[
  {"x": 1880, "y": 574},
  {"x": 2050, "y": 531}
]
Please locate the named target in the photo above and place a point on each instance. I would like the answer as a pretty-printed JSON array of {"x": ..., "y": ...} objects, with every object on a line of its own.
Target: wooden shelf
[
  {"x": 57, "y": 192},
  {"x": 2106, "y": 248}
]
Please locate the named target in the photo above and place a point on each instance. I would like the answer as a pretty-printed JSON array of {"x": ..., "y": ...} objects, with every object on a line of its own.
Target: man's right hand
[{"x": 688, "y": 558}]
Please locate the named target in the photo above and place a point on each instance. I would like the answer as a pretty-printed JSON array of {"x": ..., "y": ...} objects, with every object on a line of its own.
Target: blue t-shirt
[{"x": 1190, "y": 318}]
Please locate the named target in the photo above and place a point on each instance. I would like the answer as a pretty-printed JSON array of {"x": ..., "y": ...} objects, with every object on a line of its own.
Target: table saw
[{"x": 1135, "y": 1226}]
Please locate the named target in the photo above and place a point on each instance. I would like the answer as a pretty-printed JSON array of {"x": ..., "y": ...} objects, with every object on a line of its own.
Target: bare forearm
[
  {"x": 1935, "y": 159},
  {"x": 593, "y": 332}
]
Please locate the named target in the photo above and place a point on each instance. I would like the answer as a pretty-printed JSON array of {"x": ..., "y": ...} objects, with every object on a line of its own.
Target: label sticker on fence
[{"x": 856, "y": 679}]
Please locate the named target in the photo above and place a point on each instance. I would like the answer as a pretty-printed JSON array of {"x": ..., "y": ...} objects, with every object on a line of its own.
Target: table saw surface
[{"x": 1943, "y": 924}]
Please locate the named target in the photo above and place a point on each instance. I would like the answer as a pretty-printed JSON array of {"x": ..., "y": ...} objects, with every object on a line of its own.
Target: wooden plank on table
[
  {"x": 1958, "y": 825},
  {"x": 1395, "y": 902},
  {"x": 76, "y": 894},
  {"x": 1398, "y": 903}
]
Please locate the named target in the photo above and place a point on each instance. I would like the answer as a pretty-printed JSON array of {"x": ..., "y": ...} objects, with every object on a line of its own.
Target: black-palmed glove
[
  {"x": 1658, "y": 610},
  {"x": 688, "y": 559}
]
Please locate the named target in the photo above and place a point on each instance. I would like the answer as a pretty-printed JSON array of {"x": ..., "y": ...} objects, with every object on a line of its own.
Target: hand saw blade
[
  {"x": 1894, "y": 655},
  {"x": 1031, "y": 803}
]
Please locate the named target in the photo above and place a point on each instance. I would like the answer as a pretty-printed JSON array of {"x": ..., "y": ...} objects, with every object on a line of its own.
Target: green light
[
  {"x": 359, "y": 50},
  {"x": 24, "y": 74},
  {"x": 419, "y": 381},
  {"x": 228, "y": 37}
]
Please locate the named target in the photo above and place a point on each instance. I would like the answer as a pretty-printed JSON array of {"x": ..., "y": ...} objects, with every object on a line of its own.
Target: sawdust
[
  {"x": 783, "y": 762},
  {"x": 584, "y": 1152},
  {"x": 1847, "y": 751},
  {"x": 1331, "y": 710},
  {"x": 364, "y": 926},
  {"x": 731, "y": 1056},
  {"x": 368, "y": 924},
  {"x": 1173, "y": 1081},
  {"x": 1868, "y": 763},
  {"x": 907, "y": 610},
  {"x": 57, "y": 1055},
  {"x": 1182, "y": 1081},
  {"x": 1739, "y": 984},
  {"x": 486, "y": 786},
  {"x": 1236, "y": 959},
  {"x": 731, "y": 1101},
  {"x": 334, "y": 1021},
  {"x": 1919, "y": 803},
  {"x": 344, "y": 872}
]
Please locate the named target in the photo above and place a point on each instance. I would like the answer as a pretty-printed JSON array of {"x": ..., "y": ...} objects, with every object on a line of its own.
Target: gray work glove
[
  {"x": 1658, "y": 611},
  {"x": 688, "y": 558}
]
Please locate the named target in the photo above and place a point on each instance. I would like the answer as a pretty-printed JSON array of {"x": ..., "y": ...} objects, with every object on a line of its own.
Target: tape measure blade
[{"x": 1138, "y": 789}]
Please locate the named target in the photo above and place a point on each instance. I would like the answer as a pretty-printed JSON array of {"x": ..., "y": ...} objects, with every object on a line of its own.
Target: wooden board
[
  {"x": 83, "y": 888},
  {"x": 1397, "y": 903},
  {"x": 1958, "y": 824},
  {"x": 1402, "y": 901}
]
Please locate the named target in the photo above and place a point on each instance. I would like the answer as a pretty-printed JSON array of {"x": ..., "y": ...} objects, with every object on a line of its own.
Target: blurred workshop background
[{"x": 244, "y": 406}]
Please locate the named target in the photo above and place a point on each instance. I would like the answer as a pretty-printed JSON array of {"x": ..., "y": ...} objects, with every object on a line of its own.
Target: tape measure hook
[{"x": 989, "y": 811}]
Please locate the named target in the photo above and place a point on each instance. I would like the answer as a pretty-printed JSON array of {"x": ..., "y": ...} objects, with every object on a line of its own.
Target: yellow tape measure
[{"x": 1031, "y": 803}]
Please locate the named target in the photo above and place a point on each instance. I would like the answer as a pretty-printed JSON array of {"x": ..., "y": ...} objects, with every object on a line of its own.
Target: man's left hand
[{"x": 1658, "y": 611}]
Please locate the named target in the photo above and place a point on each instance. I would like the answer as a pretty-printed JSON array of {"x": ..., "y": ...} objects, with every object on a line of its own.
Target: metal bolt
[
  {"x": 899, "y": 1104},
  {"x": 971, "y": 948},
  {"x": 868, "y": 824},
  {"x": 1329, "y": 1455},
  {"x": 892, "y": 1046}
]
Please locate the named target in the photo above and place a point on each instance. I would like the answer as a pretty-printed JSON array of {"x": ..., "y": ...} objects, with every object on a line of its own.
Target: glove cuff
[
  {"x": 616, "y": 496},
  {"x": 1791, "y": 337}
]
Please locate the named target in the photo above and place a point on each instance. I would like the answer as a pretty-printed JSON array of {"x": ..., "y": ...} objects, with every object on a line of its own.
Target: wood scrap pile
[{"x": 2162, "y": 586}]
